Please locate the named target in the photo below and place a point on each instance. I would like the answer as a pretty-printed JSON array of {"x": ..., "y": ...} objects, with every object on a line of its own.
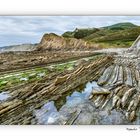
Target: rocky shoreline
[{"x": 105, "y": 90}]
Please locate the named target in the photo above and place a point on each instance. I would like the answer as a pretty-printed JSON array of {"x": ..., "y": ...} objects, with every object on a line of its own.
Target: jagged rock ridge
[{"x": 54, "y": 42}]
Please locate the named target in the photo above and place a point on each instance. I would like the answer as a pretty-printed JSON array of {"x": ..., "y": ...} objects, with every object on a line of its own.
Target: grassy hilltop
[{"x": 117, "y": 35}]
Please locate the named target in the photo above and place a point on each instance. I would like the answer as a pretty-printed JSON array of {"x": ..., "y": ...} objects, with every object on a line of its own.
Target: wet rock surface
[
  {"x": 114, "y": 99},
  {"x": 104, "y": 91},
  {"x": 20, "y": 107}
]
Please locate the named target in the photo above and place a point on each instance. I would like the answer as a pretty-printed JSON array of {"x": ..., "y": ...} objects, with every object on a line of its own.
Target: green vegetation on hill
[
  {"x": 80, "y": 33},
  {"x": 121, "y": 35},
  {"x": 120, "y": 26},
  {"x": 117, "y": 35},
  {"x": 68, "y": 34}
]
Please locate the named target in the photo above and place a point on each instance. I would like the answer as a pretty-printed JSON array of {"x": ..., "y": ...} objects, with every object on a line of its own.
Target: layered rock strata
[{"x": 18, "y": 109}]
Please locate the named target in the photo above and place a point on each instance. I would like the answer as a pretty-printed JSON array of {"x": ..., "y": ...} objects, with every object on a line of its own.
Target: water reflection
[
  {"x": 49, "y": 114},
  {"x": 4, "y": 95},
  {"x": 24, "y": 79},
  {"x": 80, "y": 97}
]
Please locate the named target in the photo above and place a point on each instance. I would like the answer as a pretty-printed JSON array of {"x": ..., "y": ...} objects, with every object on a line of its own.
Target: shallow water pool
[
  {"x": 4, "y": 95},
  {"x": 49, "y": 114}
]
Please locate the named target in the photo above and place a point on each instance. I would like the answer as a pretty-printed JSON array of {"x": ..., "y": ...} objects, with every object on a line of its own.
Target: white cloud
[{"x": 23, "y": 29}]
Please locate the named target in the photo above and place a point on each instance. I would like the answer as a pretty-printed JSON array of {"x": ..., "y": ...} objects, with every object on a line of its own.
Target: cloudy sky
[{"x": 29, "y": 29}]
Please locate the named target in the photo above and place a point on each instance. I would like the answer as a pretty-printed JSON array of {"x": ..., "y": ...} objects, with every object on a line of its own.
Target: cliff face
[{"x": 55, "y": 42}]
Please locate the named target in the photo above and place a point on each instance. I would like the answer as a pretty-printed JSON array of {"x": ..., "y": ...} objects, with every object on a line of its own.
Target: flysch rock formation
[
  {"x": 52, "y": 48},
  {"x": 10, "y": 61},
  {"x": 20, "y": 107},
  {"x": 54, "y": 42},
  {"x": 114, "y": 100}
]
